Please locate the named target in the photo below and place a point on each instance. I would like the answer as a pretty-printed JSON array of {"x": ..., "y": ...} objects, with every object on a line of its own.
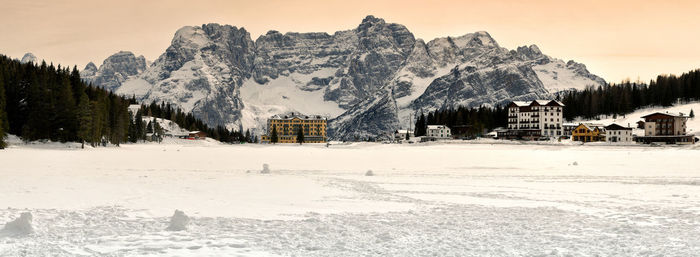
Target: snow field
[{"x": 444, "y": 199}]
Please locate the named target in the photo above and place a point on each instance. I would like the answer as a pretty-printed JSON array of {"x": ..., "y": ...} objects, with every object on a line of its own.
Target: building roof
[
  {"x": 436, "y": 126},
  {"x": 591, "y": 126},
  {"x": 520, "y": 103},
  {"x": 536, "y": 103},
  {"x": 293, "y": 115},
  {"x": 616, "y": 127},
  {"x": 670, "y": 114}
]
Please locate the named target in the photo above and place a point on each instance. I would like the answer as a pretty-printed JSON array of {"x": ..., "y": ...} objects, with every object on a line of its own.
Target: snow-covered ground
[{"x": 437, "y": 199}]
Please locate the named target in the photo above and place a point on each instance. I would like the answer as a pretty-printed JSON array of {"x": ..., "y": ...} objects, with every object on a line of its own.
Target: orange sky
[{"x": 615, "y": 39}]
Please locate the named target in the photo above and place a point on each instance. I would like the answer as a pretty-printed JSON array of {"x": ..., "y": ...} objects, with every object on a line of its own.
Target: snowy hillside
[
  {"x": 693, "y": 125},
  {"x": 225, "y": 78},
  {"x": 478, "y": 200}
]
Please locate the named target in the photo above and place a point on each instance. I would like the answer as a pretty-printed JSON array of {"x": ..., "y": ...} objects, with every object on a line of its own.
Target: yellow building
[
  {"x": 588, "y": 133},
  {"x": 287, "y": 127}
]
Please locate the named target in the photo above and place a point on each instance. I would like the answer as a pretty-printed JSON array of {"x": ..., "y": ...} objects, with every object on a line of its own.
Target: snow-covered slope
[
  {"x": 692, "y": 125},
  {"x": 376, "y": 73}
]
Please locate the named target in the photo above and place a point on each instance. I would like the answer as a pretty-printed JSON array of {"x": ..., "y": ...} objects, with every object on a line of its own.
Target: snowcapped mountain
[
  {"x": 115, "y": 70},
  {"x": 29, "y": 57},
  {"x": 366, "y": 80}
]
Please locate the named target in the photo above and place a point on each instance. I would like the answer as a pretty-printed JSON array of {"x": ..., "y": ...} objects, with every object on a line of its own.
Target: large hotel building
[
  {"x": 287, "y": 126},
  {"x": 539, "y": 118}
]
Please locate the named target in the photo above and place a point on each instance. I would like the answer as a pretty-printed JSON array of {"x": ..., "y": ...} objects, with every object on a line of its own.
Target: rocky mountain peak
[
  {"x": 29, "y": 57},
  {"x": 531, "y": 52},
  {"x": 115, "y": 70},
  {"x": 89, "y": 71},
  {"x": 370, "y": 20}
]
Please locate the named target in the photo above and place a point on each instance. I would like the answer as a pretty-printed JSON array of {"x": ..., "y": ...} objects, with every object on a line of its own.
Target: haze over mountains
[{"x": 367, "y": 80}]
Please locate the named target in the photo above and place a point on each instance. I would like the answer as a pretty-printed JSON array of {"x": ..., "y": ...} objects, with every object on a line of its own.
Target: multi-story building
[
  {"x": 666, "y": 128},
  {"x": 539, "y": 118},
  {"x": 288, "y": 126},
  {"x": 438, "y": 131},
  {"x": 616, "y": 133}
]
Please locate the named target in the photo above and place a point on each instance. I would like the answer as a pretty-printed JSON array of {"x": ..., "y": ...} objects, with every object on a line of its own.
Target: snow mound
[
  {"x": 19, "y": 227},
  {"x": 178, "y": 221},
  {"x": 266, "y": 169},
  {"x": 369, "y": 173}
]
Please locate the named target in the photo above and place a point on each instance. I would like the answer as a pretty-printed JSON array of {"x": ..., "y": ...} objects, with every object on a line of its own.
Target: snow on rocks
[
  {"x": 266, "y": 169},
  {"x": 19, "y": 227},
  {"x": 178, "y": 221}
]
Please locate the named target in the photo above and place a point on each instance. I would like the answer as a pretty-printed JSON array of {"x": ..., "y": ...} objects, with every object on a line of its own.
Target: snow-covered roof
[
  {"x": 296, "y": 115},
  {"x": 521, "y": 103},
  {"x": 616, "y": 127},
  {"x": 436, "y": 126},
  {"x": 592, "y": 126},
  {"x": 673, "y": 114},
  {"x": 537, "y": 102}
]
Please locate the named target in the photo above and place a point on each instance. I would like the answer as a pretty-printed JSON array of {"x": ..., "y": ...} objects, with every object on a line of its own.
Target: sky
[{"x": 615, "y": 39}]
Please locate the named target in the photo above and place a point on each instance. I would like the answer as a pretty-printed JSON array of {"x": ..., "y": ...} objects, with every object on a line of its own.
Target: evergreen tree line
[
  {"x": 189, "y": 122},
  {"x": 476, "y": 119},
  {"x": 45, "y": 102},
  {"x": 625, "y": 97}
]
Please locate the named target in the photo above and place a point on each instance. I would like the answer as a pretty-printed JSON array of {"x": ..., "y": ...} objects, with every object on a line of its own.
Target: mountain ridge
[{"x": 377, "y": 73}]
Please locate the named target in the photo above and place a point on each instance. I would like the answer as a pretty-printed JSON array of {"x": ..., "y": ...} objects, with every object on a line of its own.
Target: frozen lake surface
[{"x": 422, "y": 200}]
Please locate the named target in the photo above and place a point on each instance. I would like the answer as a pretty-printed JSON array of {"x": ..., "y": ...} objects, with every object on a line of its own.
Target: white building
[
  {"x": 539, "y": 118},
  {"x": 401, "y": 134},
  {"x": 615, "y": 133},
  {"x": 438, "y": 131}
]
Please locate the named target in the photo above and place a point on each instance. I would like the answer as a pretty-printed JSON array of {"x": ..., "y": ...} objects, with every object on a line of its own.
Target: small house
[
  {"x": 587, "y": 132},
  {"x": 615, "y": 133},
  {"x": 438, "y": 132}
]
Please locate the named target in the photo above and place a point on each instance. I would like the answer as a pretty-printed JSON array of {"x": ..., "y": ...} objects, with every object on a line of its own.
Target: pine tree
[
  {"x": 84, "y": 120},
  {"x": 300, "y": 135},
  {"x": 273, "y": 136},
  {"x": 65, "y": 122},
  {"x": 692, "y": 114},
  {"x": 408, "y": 136},
  {"x": 248, "y": 139},
  {"x": 149, "y": 127},
  {"x": 4, "y": 126},
  {"x": 157, "y": 130},
  {"x": 140, "y": 126}
]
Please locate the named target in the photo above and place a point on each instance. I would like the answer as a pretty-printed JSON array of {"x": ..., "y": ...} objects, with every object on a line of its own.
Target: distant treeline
[
  {"x": 475, "y": 120},
  {"x": 44, "y": 102},
  {"x": 624, "y": 98},
  {"x": 612, "y": 99}
]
